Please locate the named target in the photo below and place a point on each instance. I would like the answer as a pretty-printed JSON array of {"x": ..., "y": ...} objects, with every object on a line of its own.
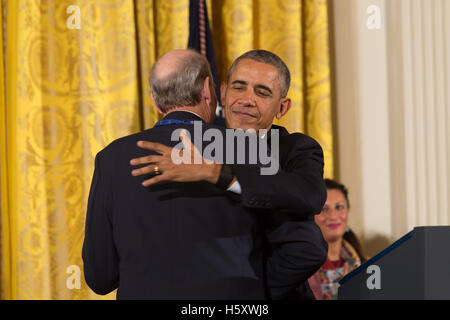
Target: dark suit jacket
[
  {"x": 295, "y": 247},
  {"x": 174, "y": 240}
]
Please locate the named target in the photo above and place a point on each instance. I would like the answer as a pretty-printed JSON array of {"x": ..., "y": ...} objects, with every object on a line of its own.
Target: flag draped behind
[
  {"x": 69, "y": 92},
  {"x": 200, "y": 39}
]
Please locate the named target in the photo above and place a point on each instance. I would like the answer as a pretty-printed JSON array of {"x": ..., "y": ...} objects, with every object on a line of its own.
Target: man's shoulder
[
  {"x": 126, "y": 142},
  {"x": 158, "y": 134},
  {"x": 294, "y": 138}
]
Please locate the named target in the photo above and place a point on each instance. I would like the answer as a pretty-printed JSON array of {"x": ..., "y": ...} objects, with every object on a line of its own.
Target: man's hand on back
[{"x": 166, "y": 169}]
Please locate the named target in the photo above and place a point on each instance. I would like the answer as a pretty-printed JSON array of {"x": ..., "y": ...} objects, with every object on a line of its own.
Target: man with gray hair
[{"x": 176, "y": 241}]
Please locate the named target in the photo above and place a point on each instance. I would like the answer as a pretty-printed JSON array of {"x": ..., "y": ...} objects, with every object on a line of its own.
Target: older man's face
[{"x": 252, "y": 96}]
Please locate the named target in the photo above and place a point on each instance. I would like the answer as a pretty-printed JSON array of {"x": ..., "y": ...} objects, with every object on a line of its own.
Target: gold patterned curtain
[
  {"x": 73, "y": 78},
  {"x": 297, "y": 31}
]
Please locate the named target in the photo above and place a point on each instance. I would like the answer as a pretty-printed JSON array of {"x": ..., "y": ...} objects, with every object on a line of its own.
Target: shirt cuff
[{"x": 235, "y": 187}]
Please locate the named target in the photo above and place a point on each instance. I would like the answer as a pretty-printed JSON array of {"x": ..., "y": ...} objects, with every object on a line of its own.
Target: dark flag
[{"x": 200, "y": 39}]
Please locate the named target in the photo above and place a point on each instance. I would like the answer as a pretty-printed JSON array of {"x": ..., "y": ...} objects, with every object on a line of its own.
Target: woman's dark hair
[
  {"x": 349, "y": 235},
  {"x": 334, "y": 185},
  {"x": 351, "y": 238}
]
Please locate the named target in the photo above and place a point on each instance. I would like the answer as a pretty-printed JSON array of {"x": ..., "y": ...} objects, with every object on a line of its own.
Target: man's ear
[
  {"x": 154, "y": 103},
  {"x": 284, "y": 108},
  {"x": 206, "y": 92},
  {"x": 223, "y": 90}
]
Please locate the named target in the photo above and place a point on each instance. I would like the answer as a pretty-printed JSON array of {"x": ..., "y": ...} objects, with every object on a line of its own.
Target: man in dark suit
[
  {"x": 255, "y": 93},
  {"x": 175, "y": 240}
]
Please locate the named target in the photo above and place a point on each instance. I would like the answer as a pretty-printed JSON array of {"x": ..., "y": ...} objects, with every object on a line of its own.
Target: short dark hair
[
  {"x": 184, "y": 85},
  {"x": 268, "y": 57}
]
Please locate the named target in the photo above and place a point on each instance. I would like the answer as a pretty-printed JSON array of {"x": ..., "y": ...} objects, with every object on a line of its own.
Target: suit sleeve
[
  {"x": 298, "y": 251},
  {"x": 297, "y": 186},
  {"x": 100, "y": 259}
]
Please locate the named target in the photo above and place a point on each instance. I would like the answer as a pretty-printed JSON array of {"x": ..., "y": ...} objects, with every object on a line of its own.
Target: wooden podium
[{"x": 415, "y": 267}]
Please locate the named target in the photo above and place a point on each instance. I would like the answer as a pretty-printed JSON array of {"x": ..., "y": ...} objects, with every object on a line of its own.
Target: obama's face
[{"x": 252, "y": 97}]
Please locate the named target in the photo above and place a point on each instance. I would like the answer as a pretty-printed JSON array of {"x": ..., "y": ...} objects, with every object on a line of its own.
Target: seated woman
[{"x": 344, "y": 250}]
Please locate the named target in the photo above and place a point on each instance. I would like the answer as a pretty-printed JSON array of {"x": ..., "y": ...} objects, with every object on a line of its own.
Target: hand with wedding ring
[{"x": 165, "y": 169}]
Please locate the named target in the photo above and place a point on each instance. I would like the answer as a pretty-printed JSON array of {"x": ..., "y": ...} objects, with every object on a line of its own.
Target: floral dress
[{"x": 324, "y": 283}]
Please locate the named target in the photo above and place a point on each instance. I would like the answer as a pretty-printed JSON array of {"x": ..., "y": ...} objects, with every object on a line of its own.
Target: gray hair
[
  {"x": 264, "y": 56},
  {"x": 183, "y": 86}
]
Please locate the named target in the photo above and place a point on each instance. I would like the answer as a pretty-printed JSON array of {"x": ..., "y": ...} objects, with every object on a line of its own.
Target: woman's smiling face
[{"x": 333, "y": 218}]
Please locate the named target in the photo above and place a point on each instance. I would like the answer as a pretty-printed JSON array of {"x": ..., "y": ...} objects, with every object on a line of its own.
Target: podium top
[{"x": 377, "y": 257}]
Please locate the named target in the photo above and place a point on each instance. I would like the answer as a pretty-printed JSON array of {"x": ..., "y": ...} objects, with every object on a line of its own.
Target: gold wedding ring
[{"x": 156, "y": 170}]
